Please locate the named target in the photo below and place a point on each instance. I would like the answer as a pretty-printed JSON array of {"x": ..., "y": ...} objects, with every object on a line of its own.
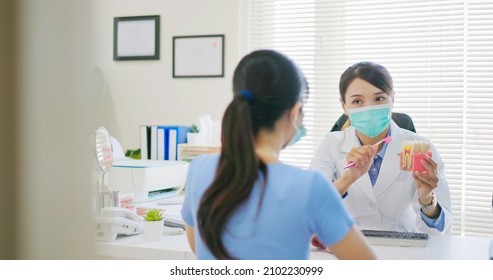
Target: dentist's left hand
[{"x": 426, "y": 182}]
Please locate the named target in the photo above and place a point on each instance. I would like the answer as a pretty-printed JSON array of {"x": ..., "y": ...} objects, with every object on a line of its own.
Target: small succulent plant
[
  {"x": 153, "y": 215},
  {"x": 194, "y": 129}
]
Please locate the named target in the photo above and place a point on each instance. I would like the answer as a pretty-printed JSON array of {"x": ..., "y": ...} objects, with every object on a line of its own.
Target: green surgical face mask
[
  {"x": 370, "y": 120},
  {"x": 300, "y": 133}
]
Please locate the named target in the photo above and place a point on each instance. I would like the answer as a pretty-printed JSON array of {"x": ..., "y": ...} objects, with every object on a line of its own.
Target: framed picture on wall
[
  {"x": 136, "y": 38},
  {"x": 198, "y": 56}
]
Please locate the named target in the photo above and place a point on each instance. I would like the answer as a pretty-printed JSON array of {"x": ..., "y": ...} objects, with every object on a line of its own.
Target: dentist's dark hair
[
  {"x": 373, "y": 73},
  {"x": 266, "y": 85}
]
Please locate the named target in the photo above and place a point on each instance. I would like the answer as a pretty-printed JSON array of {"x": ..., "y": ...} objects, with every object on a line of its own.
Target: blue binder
[{"x": 173, "y": 135}]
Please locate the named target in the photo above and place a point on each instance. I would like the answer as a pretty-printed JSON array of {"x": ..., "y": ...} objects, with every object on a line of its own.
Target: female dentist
[{"x": 377, "y": 193}]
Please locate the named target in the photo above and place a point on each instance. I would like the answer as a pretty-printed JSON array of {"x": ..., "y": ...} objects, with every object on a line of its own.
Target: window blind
[{"x": 440, "y": 55}]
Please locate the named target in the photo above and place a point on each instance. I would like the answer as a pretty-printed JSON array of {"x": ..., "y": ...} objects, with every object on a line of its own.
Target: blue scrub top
[{"x": 297, "y": 204}]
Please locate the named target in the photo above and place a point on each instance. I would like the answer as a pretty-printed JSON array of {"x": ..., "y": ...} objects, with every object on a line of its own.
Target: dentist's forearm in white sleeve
[{"x": 342, "y": 184}]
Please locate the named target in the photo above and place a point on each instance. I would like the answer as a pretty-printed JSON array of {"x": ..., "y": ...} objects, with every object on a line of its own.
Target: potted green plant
[
  {"x": 153, "y": 225},
  {"x": 193, "y": 135}
]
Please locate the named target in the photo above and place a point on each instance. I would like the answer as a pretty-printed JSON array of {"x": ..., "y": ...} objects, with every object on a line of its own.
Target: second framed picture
[{"x": 198, "y": 56}]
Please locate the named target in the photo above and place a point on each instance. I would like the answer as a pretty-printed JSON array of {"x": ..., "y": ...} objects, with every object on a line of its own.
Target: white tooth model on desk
[{"x": 146, "y": 179}]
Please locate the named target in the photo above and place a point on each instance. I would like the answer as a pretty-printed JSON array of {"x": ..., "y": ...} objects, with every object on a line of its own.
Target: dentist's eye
[{"x": 380, "y": 99}]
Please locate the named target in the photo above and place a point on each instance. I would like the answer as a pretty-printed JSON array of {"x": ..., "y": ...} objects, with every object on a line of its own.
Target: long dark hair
[
  {"x": 373, "y": 73},
  {"x": 266, "y": 84}
]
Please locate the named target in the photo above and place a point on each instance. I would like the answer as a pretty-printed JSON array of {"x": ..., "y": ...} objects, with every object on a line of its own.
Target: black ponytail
[
  {"x": 236, "y": 174},
  {"x": 266, "y": 84}
]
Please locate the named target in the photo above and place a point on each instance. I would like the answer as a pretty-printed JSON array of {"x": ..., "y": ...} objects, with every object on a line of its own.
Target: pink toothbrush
[{"x": 386, "y": 140}]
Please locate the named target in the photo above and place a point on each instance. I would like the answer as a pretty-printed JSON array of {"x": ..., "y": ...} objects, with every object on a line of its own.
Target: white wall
[
  {"x": 144, "y": 92},
  {"x": 53, "y": 128}
]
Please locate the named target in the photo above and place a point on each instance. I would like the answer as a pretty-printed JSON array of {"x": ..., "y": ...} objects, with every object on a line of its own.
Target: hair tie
[{"x": 248, "y": 94}]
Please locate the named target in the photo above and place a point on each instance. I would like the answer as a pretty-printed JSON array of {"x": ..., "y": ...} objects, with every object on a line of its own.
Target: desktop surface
[
  {"x": 448, "y": 247},
  {"x": 175, "y": 247}
]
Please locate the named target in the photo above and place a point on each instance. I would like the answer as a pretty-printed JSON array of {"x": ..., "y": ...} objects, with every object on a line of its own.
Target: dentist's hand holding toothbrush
[{"x": 361, "y": 158}]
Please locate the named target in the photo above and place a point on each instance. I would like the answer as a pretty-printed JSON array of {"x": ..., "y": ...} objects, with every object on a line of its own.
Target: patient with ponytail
[{"x": 244, "y": 203}]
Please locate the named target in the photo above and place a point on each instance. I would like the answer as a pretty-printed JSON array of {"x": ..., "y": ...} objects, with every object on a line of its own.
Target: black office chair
[{"x": 401, "y": 119}]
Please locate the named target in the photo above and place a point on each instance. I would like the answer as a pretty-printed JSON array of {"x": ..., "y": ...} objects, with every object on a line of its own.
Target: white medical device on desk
[{"x": 148, "y": 179}]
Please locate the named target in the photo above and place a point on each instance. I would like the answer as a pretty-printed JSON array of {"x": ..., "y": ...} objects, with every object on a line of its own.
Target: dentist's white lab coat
[{"x": 392, "y": 204}]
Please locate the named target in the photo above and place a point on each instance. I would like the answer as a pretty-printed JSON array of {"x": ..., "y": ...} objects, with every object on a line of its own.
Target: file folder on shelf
[
  {"x": 145, "y": 141},
  {"x": 159, "y": 142},
  {"x": 154, "y": 140},
  {"x": 168, "y": 139}
]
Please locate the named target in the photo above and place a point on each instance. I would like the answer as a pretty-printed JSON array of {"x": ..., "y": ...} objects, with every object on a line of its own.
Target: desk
[
  {"x": 175, "y": 247},
  {"x": 170, "y": 247},
  {"x": 449, "y": 247}
]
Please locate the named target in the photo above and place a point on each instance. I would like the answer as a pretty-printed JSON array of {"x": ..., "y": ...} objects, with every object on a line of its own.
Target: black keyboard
[
  {"x": 396, "y": 238},
  {"x": 169, "y": 222}
]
